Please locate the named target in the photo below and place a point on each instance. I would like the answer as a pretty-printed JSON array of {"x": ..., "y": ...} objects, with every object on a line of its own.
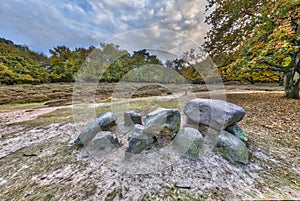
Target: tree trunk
[{"x": 291, "y": 85}]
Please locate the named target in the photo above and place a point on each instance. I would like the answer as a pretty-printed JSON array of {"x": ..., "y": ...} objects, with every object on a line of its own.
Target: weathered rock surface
[
  {"x": 217, "y": 114},
  {"x": 103, "y": 123},
  {"x": 232, "y": 148},
  {"x": 237, "y": 131},
  {"x": 139, "y": 140},
  {"x": 188, "y": 142},
  {"x": 103, "y": 140},
  {"x": 162, "y": 122},
  {"x": 131, "y": 118}
]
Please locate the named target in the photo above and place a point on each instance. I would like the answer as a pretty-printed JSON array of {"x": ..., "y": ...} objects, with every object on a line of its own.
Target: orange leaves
[{"x": 294, "y": 181}]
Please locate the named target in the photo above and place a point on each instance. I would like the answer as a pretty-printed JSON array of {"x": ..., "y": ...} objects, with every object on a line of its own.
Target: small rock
[
  {"x": 139, "y": 140},
  {"x": 103, "y": 123},
  {"x": 217, "y": 114},
  {"x": 237, "y": 131},
  {"x": 162, "y": 122},
  {"x": 103, "y": 140},
  {"x": 188, "y": 142},
  {"x": 232, "y": 148},
  {"x": 131, "y": 118}
]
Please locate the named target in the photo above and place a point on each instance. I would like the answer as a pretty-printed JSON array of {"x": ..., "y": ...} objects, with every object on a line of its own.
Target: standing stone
[
  {"x": 217, "y": 114},
  {"x": 131, "y": 118},
  {"x": 139, "y": 140},
  {"x": 237, "y": 131},
  {"x": 103, "y": 123},
  {"x": 162, "y": 122},
  {"x": 232, "y": 148},
  {"x": 103, "y": 140},
  {"x": 188, "y": 142}
]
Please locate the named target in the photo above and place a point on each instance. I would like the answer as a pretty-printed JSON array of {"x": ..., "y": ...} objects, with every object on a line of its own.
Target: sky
[{"x": 170, "y": 26}]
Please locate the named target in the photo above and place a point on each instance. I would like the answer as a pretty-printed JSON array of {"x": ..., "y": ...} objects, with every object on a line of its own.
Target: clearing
[{"x": 39, "y": 161}]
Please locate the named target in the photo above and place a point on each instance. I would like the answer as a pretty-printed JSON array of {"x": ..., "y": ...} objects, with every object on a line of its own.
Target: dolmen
[{"x": 210, "y": 124}]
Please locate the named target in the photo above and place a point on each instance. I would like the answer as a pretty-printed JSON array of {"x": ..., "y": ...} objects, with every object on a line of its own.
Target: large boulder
[
  {"x": 139, "y": 140},
  {"x": 232, "y": 148},
  {"x": 103, "y": 140},
  {"x": 237, "y": 131},
  {"x": 217, "y": 114},
  {"x": 188, "y": 142},
  {"x": 162, "y": 122},
  {"x": 103, "y": 123},
  {"x": 131, "y": 118}
]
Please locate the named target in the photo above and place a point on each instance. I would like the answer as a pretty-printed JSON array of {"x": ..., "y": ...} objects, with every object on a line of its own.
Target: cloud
[{"x": 45, "y": 24}]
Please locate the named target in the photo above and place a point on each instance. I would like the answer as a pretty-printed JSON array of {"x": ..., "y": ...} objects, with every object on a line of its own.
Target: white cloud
[{"x": 45, "y": 24}]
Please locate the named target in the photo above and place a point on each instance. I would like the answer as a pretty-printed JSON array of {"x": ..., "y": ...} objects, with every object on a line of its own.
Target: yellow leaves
[
  {"x": 270, "y": 126},
  {"x": 286, "y": 61},
  {"x": 254, "y": 61}
]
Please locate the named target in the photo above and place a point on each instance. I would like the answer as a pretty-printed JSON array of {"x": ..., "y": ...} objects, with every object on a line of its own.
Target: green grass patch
[
  {"x": 57, "y": 116},
  {"x": 13, "y": 107}
]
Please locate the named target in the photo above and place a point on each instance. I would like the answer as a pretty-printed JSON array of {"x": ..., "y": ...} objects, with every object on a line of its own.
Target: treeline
[
  {"x": 18, "y": 64},
  {"x": 108, "y": 63}
]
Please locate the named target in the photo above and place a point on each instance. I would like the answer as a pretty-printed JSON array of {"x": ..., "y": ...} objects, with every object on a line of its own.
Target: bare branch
[
  {"x": 268, "y": 69},
  {"x": 271, "y": 64}
]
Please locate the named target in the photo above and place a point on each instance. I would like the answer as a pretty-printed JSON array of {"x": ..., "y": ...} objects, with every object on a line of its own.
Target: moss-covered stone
[
  {"x": 188, "y": 142},
  {"x": 163, "y": 122},
  {"x": 232, "y": 148},
  {"x": 139, "y": 140},
  {"x": 103, "y": 123},
  {"x": 237, "y": 131}
]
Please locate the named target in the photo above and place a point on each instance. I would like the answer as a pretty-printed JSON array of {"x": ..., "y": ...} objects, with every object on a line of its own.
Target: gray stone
[
  {"x": 232, "y": 148},
  {"x": 237, "y": 131},
  {"x": 131, "y": 118},
  {"x": 103, "y": 140},
  {"x": 217, "y": 114},
  {"x": 162, "y": 122},
  {"x": 103, "y": 123},
  {"x": 188, "y": 142},
  {"x": 139, "y": 140}
]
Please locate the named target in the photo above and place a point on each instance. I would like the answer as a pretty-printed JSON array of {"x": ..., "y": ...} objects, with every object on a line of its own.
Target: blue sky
[{"x": 44, "y": 24}]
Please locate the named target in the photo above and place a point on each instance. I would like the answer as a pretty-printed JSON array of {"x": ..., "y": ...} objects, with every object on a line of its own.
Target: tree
[
  {"x": 65, "y": 63},
  {"x": 194, "y": 66},
  {"x": 255, "y": 36},
  {"x": 119, "y": 62},
  {"x": 18, "y": 64}
]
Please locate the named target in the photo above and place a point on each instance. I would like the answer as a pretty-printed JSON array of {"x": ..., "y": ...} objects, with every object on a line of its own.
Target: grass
[
  {"x": 57, "y": 94},
  {"x": 22, "y": 94},
  {"x": 15, "y": 106}
]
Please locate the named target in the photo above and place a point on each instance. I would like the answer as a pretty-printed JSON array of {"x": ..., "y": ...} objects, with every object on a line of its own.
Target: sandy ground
[{"x": 89, "y": 176}]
